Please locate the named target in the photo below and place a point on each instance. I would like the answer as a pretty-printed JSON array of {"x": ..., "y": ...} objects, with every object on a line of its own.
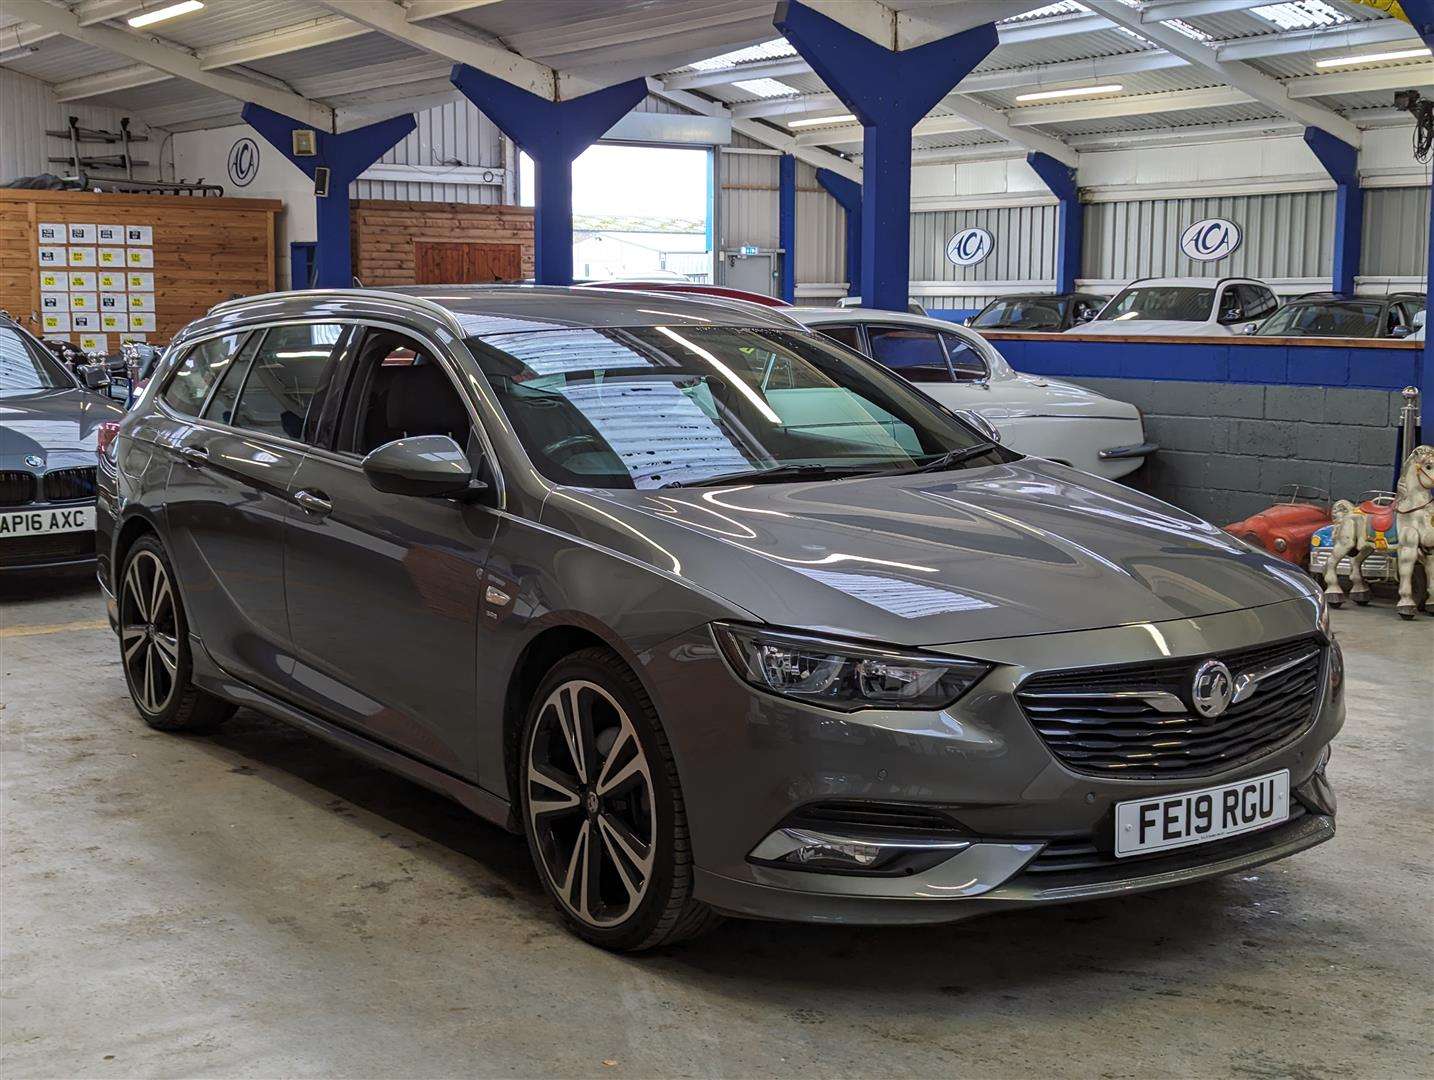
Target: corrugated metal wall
[
  {"x": 1024, "y": 249},
  {"x": 747, "y": 209},
  {"x": 28, "y": 109},
  {"x": 1285, "y": 236},
  {"x": 1396, "y": 232},
  {"x": 456, "y": 130},
  {"x": 821, "y": 231}
]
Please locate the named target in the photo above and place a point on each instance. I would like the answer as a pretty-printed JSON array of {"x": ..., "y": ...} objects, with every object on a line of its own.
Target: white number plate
[
  {"x": 1197, "y": 817},
  {"x": 35, "y": 522}
]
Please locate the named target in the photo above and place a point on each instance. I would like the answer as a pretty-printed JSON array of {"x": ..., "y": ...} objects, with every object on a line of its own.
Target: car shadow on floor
[{"x": 1132, "y": 939}]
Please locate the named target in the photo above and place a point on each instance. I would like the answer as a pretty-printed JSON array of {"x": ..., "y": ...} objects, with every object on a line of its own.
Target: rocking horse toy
[{"x": 1384, "y": 524}]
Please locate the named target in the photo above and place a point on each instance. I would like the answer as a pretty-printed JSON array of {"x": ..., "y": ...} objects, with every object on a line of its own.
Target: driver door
[{"x": 383, "y": 590}]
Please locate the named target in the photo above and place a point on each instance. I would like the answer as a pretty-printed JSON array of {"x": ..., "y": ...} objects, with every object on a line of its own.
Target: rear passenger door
[
  {"x": 229, "y": 488},
  {"x": 384, "y": 590}
]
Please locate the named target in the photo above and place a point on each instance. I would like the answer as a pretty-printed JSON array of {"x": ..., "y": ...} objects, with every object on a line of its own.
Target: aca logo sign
[
  {"x": 243, "y": 162},
  {"x": 969, "y": 246},
  {"x": 1210, "y": 239}
]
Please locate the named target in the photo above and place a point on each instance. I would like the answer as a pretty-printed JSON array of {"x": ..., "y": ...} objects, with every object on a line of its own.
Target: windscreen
[
  {"x": 1324, "y": 320},
  {"x": 651, "y": 407},
  {"x": 1027, "y": 314},
  {"x": 1177, "y": 303},
  {"x": 25, "y": 365}
]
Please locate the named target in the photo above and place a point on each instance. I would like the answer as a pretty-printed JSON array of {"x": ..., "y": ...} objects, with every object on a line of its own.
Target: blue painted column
[
  {"x": 552, "y": 133},
  {"x": 1420, "y": 14},
  {"x": 345, "y": 155},
  {"x": 1341, "y": 161},
  {"x": 1070, "y": 217},
  {"x": 787, "y": 226},
  {"x": 847, "y": 192},
  {"x": 888, "y": 92}
]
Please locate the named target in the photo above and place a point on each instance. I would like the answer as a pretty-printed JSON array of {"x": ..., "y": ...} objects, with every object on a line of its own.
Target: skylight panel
[
  {"x": 765, "y": 88},
  {"x": 1062, "y": 7},
  {"x": 767, "y": 50},
  {"x": 1301, "y": 14},
  {"x": 1182, "y": 27}
]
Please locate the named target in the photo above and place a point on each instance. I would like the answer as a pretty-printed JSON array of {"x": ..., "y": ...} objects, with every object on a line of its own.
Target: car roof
[
  {"x": 814, "y": 316},
  {"x": 1197, "y": 282},
  {"x": 483, "y": 310}
]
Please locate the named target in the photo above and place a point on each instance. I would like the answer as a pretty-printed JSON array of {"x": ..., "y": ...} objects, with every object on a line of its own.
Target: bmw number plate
[
  {"x": 1161, "y": 822},
  {"x": 35, "y": 522}
]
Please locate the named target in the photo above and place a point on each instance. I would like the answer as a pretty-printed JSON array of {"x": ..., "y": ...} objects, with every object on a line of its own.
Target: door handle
[
  {"x": 194, "y": 456},
  {"x": 314, "y": 502}
]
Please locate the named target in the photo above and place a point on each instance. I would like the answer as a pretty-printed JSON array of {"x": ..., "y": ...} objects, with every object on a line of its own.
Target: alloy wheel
[
  {"x": 149, "y": 636},
  {"x": 590, "y": 803}
]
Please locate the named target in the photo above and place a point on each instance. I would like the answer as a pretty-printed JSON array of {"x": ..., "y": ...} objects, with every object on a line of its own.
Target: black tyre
[
  {"x": 154, "y": 645},
  {"x": 603, "y": 809}
]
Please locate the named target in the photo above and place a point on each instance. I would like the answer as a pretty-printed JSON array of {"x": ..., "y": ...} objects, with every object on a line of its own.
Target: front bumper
[{"x": 749, "y": 762}]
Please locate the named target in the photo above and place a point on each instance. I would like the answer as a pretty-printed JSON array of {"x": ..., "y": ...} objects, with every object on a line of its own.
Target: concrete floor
[{"x": 258, "y": 904}]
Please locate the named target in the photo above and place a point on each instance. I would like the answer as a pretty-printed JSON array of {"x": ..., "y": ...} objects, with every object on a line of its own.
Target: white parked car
[
  {"x": 1190, "y": 307},
  {"x": 963, "y": 371}
]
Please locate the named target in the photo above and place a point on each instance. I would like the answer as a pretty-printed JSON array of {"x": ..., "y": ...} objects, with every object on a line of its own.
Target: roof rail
[{"x": 422, "y": 302}]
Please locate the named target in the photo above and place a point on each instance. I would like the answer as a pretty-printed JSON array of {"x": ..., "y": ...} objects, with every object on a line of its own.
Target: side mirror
[
  {"x": 425, "y": 465},
  {"x": 1085, "y": 315},
  {"x": 980, "y": 423},
  {"x": 969, "y": 320},
  {"x": 94, "y": 376},
  {"x": 1250, "y": 329},
  {"x": 1400, "y": 331}
]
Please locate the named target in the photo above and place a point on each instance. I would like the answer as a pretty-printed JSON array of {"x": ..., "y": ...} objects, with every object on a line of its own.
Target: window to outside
[
  {"x": 1324, "y": 319},
  {"x": 25, "y": 365},
  {"x": 1178, "y": 303},
  {"x": 198, "y": 371},
  {"x": 1026, "y": 314},
  {"x": 284, "y": 379},
  {"x": 911, "y": 352},
  {"x": 658, "y": 406},
  {"x": 641, "y": 212},
  {"x": 966, "y": 359}
]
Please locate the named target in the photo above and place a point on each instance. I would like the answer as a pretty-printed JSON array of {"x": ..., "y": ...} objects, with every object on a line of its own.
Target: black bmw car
[{"x": 49, "y": 424}]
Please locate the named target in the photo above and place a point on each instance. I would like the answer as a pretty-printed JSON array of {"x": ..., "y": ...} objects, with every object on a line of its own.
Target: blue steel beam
[
  {"x": 787, "y": 226},
  {"x": 888, "y": 92},
  {"x": 1420, "y": 14},
  {"x": 1070, "y": 217},
  {"x": 847, "y": 193},
  {"x": 552, "y": 133},
  {"x": 1341, "y": 161},
  {"x": 345, "y": 155}
]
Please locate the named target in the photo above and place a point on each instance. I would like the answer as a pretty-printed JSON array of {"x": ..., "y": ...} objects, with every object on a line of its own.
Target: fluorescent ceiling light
[
  {"x": 1372, "y": 58},
  {"x": 169, "y": 11},
  {"x": 765, "y": 88},
  {"x": 813, "y": 121},
  {"x": 1074, "y": 91},
  {"x": 1301, "y": 14}
]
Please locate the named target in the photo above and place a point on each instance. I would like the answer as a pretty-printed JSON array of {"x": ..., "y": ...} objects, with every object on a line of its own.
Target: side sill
[{"x": 209, "y": 676}]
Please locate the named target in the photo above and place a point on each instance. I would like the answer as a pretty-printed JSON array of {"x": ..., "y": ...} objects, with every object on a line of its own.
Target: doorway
[{"x": 437, "y": 263}]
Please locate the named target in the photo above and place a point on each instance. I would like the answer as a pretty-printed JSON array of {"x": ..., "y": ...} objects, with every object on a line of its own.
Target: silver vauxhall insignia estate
[{"x": 720, "y": 614}]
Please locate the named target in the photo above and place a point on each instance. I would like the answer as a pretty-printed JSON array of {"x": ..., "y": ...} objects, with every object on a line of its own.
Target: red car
[
  {"x": 1285, "y": 528},
  {"x": 689, "y": 287}
]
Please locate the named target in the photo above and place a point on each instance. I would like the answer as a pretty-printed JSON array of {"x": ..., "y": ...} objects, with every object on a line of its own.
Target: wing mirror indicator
[{"x": 432, "y": 466}]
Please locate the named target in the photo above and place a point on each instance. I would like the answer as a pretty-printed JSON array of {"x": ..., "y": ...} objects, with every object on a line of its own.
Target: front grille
[
  {"x": 1093, "y": 732},
  {"x": 46, "y": 548},
  {"x": 70, "y": 485},
  {"x": 1066, "y": 856},
  {"x": 17, "y": 488}
]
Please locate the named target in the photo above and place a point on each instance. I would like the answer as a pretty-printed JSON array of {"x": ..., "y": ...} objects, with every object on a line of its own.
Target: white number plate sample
[
  {"x": 35, "y": 522},
  {"x": 1161, "y": 822}
]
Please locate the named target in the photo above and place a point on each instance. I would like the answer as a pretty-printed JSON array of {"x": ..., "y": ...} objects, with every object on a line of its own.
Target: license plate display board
[
  {"x": 92, "y": 277},
  {"x": 1162, "y": 822},
  {"x": 36, "y": 522}
]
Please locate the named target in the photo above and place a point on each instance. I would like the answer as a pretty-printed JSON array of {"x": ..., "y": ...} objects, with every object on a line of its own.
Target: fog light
[{"x": 808, "y": 849}]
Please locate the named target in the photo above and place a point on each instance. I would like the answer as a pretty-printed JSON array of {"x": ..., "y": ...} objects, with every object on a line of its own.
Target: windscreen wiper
[
  {"x": 951, "y": 458},
  {"x": 773, "y": 475}
]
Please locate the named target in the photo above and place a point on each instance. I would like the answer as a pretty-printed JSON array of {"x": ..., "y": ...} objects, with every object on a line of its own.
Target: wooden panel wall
[
  {"x": 383, "y": 234},
  {"x": 205, "y": 250}
]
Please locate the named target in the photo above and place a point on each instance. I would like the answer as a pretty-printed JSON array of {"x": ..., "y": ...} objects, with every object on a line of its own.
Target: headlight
[
  {"x": 840, "y": 675},
  {"x": 1322, "y": 607}
]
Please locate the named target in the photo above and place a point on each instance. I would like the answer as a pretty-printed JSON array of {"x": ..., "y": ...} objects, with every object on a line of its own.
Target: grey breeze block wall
[{"x": 1226, "y": 449}]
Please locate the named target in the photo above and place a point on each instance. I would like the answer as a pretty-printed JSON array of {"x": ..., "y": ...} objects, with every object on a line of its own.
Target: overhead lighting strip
[{"x": 1070, "y": 92}]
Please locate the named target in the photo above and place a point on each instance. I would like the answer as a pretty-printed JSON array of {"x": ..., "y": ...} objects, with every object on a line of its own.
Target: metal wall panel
[
  {"x": 1288, "y": 235},
  {"x": 1396, "y": 232},
  {"x": 28, "y": 109},
  {"x": 453, "y": 131},
  {"x": 1024, "y": 248},
  {"x": 821, "y": 231},
  {"x": 748, "y": 215}
]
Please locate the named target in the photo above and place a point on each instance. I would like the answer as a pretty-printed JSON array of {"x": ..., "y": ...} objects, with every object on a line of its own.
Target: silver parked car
[{"x": 721, "y": 615}]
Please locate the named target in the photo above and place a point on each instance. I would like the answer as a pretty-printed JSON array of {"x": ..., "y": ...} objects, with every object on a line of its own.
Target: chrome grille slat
[
  {"x": 69, "y": 485},
  {"x": 1091, "y": 732}
]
